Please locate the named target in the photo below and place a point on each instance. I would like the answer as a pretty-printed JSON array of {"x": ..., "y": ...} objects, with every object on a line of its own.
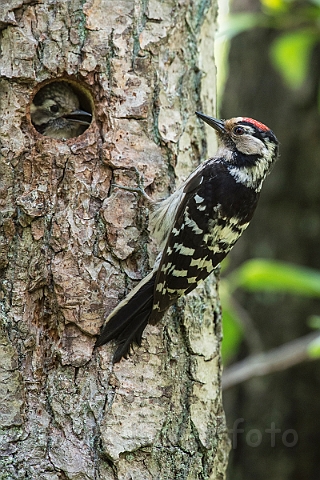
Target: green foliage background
[{"x": 291, "y": 54}]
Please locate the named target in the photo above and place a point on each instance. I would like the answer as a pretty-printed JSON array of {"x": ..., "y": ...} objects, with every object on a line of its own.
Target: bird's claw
[{"x": 139, "y": 189}]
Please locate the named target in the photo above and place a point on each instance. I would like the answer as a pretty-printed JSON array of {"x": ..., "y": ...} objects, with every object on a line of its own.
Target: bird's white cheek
[
  {"x": 38, "y": 117},
  {"x": 249, "y": 145}
]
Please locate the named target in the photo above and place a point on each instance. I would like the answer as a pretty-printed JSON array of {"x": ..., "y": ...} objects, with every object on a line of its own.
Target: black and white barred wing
[
  {"x": 206, "y": 227},
  {"x": 192, "y": 251}
]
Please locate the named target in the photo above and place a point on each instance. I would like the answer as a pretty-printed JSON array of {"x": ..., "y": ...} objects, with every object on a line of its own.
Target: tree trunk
[{"x": 72, "y": 246}]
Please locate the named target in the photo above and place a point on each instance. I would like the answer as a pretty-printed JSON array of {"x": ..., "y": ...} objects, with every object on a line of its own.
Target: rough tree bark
[{"x": 71, "y": 246}]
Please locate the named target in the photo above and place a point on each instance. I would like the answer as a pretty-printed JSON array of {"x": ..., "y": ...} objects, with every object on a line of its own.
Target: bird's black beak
[
  {"x": 213, "y": 122},
  {"x": 79, "y": 116}
]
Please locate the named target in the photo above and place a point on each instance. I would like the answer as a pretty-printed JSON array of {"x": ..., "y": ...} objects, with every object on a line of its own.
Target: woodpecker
[
  {"x": 55, "y": 112},
  {"x": 197, "y": 226}
]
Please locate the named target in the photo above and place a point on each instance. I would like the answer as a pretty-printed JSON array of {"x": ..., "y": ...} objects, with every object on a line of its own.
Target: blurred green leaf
[
  {"x": 232, "y": 333},
  {"x": 270, "y": 275},
  {"x": 276, "y": 5},
  {"x": 290, "y": 54},
  {"x": 241, "y": 22},
  {"x": 314, "y": 348},
  {"x": 232, "y": 329},
  {"x": 314, "y": 322}
]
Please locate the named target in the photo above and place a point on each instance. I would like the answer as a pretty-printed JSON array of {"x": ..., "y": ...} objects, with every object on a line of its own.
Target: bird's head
[
  {"x": 55, "y": 112},
  {"x": 248, "y": 147}
]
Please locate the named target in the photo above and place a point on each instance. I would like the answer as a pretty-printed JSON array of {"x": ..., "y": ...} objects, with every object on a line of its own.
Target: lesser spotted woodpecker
[
  {"x": 55, "y": 112},
  {"x": 197, "y": 226}
]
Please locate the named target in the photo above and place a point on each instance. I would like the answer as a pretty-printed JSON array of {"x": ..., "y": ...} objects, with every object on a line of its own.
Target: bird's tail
[{"x": 128, "y": 320}]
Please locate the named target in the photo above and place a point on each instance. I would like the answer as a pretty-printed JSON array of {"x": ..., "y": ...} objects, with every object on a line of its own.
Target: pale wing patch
[
  {"x": 227, "y": 235},
  {"x": 179, "y": 248},
  {"x": 164, "y": 215},
  {"x": 179, "y": 273},
  {"x": 192, "y": 224},
  {"x": 202, "y": 263},
  {"x": 198, "y": 199}
]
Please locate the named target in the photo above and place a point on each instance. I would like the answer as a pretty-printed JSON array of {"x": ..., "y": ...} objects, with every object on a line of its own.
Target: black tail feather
[
  {"x": 126, "y": 324},
  {"x": 132, "y": 334}
]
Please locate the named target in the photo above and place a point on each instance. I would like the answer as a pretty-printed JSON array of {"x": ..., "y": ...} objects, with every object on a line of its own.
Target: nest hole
[{"x": 62, "y": 109}]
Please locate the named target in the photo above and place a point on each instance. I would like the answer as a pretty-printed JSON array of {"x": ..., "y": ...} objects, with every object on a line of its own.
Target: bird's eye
[
  {"x": 238, "y": 130},
  {"x": 54, "y": 108}
]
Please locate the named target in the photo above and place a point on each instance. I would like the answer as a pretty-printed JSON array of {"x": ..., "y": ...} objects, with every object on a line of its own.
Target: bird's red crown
[{"x": 257, "y": 124}]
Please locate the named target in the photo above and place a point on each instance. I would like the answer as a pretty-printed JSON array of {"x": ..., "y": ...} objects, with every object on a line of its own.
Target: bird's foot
[{"x": 139, "y": 189}]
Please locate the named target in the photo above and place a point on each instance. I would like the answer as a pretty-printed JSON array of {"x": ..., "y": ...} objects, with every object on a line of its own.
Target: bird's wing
[{"x": 191, "y": 252}]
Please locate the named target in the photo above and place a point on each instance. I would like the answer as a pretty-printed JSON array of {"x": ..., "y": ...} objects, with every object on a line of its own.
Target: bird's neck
[{"x": 249, "y": 170}]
